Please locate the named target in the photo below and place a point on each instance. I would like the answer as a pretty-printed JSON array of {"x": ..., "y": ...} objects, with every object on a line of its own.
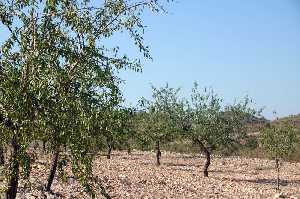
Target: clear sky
[{"x": 237, "y": 47}]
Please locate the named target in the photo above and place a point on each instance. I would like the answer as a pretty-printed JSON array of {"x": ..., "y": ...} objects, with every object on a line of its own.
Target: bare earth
[{"x": 179, "y": 176}]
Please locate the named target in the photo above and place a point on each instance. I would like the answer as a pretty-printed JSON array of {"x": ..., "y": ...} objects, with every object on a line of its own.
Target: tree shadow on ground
[
  {"x": 149, "y": 163},
  {"x": 181, "y": 169},
  {"x": 129, "y": 158},
  {"x": 187, "y": 157},
  {"x": 229, "y": 171},
  {"x": 262, "y": 181},
  {"x": 56, "y": 194},
  {"x": 179, "y": 164},
  {"x": 173, "y": 166}
]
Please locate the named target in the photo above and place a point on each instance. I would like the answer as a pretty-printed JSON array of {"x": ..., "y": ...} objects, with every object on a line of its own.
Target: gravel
[{"x": 179, "y": 176}]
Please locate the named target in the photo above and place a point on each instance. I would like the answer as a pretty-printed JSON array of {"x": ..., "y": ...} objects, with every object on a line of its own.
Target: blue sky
[{"x": 236, "y": 47}]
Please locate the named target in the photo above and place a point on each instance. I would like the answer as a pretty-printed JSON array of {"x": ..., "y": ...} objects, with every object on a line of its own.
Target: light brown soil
[{"x": 179, "y": 176}]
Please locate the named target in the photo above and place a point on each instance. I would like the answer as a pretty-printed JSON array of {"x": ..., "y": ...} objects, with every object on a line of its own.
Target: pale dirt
[{"x": 180, "y": 176}]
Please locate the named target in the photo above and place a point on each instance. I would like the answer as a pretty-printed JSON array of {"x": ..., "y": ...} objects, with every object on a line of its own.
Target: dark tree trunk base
[
  {"x": 52, "y": 170},
  {"x": 129, "y": 150},
  {"x": 109, "y": 146},
  {"x": 2, "y": 161},
  {"x": 207, "y": 163},
  {"x": 277, "y": 168},
  {"x": 14, "y": 178},
  {"x": 44, "y": 146},
  {"x": 109, "y": 151},
  {"x": 207, "y": 155},
  {"x": 158, "y": 154}
]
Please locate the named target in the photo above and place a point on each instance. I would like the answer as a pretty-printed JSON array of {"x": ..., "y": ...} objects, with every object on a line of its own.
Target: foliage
[
  {"x": 55, "y": 72},
  {"x": 215, "y": 125},
  {"x": 279, "y": 140},
  {"x": 113, "y": 126},
  {"x": 159, "y": 119}
]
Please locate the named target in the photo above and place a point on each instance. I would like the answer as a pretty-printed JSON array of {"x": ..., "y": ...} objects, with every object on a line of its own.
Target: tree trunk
[
  {"x": 65, "y": 147},
  {"x": 2, "y": 155},
  {"x": 158, "y": 153},
  {"x": 277, "y": 168},
  {"x": 44, "y": 146},
  {"x": 109, "y": 145},
  {"x": 129, "y": 149},
  {"x": 14, "y": 176},
  {"x": 52, "y": 170},
  {"x": 207, "y": 163},
  {"x": 207, "y": 155}
]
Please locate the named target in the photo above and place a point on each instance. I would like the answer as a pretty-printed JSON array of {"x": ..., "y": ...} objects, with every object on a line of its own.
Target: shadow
[
  {"x": 188, "y": 157},
  {"x": 229, "y": 172},
  {"x": 200, "y": 168},
  {"x": 122, "y": 155},
  {"x": 176, "y": 164},
  {"x": 129, "y": 158},
  {"x": 180, "y": 169},
  {"x": 264, "y": 181},
  {"x": 148, "y": 163},
  {"x": 171, "y": 164},
  {"x": 56, "y": 194},
  {"x": 114, "y": 153}
]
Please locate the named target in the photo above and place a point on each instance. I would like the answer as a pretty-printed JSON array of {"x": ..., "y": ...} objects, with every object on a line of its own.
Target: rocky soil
[{"x": 179, "y": 176}]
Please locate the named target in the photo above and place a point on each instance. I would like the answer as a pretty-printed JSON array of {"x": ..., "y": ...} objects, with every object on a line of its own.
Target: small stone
[{"x": 279, "y": 195}]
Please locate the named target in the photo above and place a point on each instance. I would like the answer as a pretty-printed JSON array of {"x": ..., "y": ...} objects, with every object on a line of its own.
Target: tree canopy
[{"x": 55, "y": 71}]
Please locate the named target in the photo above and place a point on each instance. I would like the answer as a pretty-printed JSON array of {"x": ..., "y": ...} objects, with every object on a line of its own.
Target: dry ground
[{"x": 179, "y": 176}]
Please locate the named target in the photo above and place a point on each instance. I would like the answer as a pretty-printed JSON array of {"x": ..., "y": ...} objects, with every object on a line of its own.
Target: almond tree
[
  {"x": 55, "y": 70},
  {"x": 214, "y": 126},
  {"x": 124, "y": 128},
  {"x": 157, "y": 124},
  {"x": 111, "y": 127},
  {"x": 279, "y": 141}
]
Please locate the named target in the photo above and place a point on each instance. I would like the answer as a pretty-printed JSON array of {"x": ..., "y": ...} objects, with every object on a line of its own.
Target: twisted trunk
[
  {"x": 158, "y": 153},
  {"x": 128, "y": 144},
  {"x": 52, "y": 170},
  {"x": 109, "y": 145},
  {"x": 14, "y": 167},
  {"x": 1, "y": 156},
  {"x": 44, "y": 146},
  {"x": 129, "y": 149},
  {"x": 277, "y": 168},
  {"x": 207, "y": 155},
  {"x": 11, "y": 192}
]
